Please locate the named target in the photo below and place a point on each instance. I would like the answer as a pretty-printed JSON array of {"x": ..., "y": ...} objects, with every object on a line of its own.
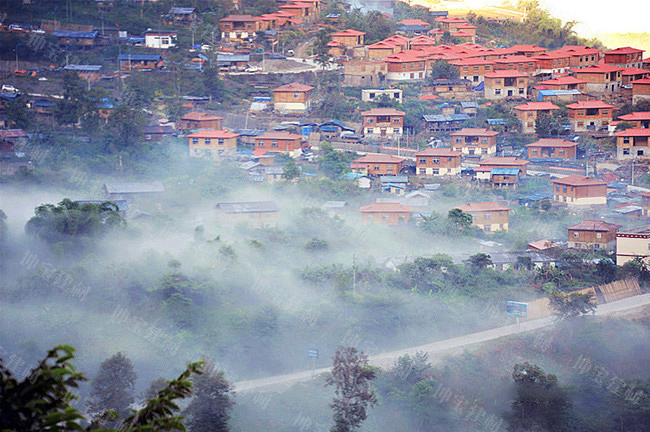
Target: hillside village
[
  {"x": 398, "y": 163},
  {"x": 567, "y": 115}
]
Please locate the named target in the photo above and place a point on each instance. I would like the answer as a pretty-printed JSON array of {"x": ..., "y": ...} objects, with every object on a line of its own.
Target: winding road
[{"x": 437, "y": 350}]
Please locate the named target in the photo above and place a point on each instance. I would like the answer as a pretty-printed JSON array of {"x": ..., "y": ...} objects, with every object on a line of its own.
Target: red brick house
[
  {"x": 590, "y": 115},
  {"x": 626, "y": 57},
  {"x": 507, "y": 162},
  {"x": 278, "y": 141},
  {"x": 386, "y": 213},
  {"x": 199, "y": 120},
  {"x": 520, "y": 63},
  {"x": 475, "y": 141},
  {"x": 438, "y": 162},
  {"x": 551, "y": 63},
  {"x": 383, "y": 122},
  {"x": 488, "y": 216},
  {"x": 378, "y": 164},
  {"x": 349, "y": 37},
  {"x": 601, "y": 78},
  {"x": 473, "y": 69},
  {"x": 593, "y": 234},
  {"x": 581, "y": 56},
  {"x": 565, "y": 83},
  {"x": 294, "y": 97},
  {"x": 552, "y": 148},
  {"x": 637, "y": 119},
  {"x": 528, "y": 113},
  {"x": 577, "y": 190},
  {"x": 632, "y": 143},
  {"x": 407, "y": 65},
  {"x": 632, "y": 74},
  {"x": 239, "y": 27},
  {"x": 506, "y": 84},
  {"x": 450, "y": 24},
  {"x": 640, "y": 90},
  {"x": 211, "y": 143}
]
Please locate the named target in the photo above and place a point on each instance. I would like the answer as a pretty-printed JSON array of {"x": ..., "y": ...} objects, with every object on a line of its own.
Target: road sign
[
  {"x": 312, "y": 353},
  {"x": 517, "y": 309}
]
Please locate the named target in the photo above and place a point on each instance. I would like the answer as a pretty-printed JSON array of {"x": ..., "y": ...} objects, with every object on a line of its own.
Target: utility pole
[{"x": 354, "y": 274}]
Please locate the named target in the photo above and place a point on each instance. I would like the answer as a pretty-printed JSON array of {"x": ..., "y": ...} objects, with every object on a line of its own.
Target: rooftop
[
  {"x": 383, "y": 112},
  {"x": 504, "y": 160},
  {"x": 578, "y": 180},
  {"x": 594, "y": 225},
  {"x": 439, "y": 151},
  {"x": 475, "y": 207},
  {"x": 199, "y": 116},
  {"x": 593, "y": 104},
  {"x": 633, "y": 132},
  {"x": 123, "y": 188},
  {"x": 209, "y": 133},
  {"x": 378, "y": 158},
  {"x": 475, "y": 132},
  {"x": 537, "y": 106},
  {"x": 297, "y": 87},
  {"x": 386, "y": 207},
  {"x": 553, "y": 142}
]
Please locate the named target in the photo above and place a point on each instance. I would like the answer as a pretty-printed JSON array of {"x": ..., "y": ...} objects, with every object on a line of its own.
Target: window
[
  {"x": 208, "y": 141},
  {"x": 435, "y": 161},
  {"x": 459, "y": 140},
  {"x": 487, "y": 216},
  {"x": 484, "y": 140},
  {"x": 296, "y": 95},
  {"x": 220, "y": 141},
  {"x": 369, "y": 218},
  {"x": 371, "y": 95},
  {"x": 626, "y": 140},
  {"x": 274, "y": 143},
  {"x": 370, "y": 120},
  {"x": 563, "y": 188},
  {"x": 423, "y": 171},
  {"x": 561, "y": 151},
  {"x": 575, "y": 234},
  {"x": 596, "y": 246},
  {"x": 147, "y": 137},
  {"x": 533, "y": 151},
  {"x": 396, "y": 119},
  {"x": 389, "y": 167},
  {"x": 261, "y": 143},
  {"x": 599, "y": 235},
  {"x": 376, "y": 168},
  {"x": 385, "y": 217},
  {"x": 422, "y": 161},
  {"x": 436, "y": 171},
  {"x": 521, "y": 90},
  {"x": 626, "y": 151},
  {"x": 195, "y": 141},
  {"x": 497, "y": 91}
]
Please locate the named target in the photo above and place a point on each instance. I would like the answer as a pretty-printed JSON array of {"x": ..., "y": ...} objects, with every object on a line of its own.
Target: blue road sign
[
  {"x": 312, "y": 353},
  {"x": 517, "y": 309}
]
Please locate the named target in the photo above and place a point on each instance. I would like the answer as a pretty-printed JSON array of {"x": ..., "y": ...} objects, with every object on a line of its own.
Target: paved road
[{"x": 438, "y": 350}]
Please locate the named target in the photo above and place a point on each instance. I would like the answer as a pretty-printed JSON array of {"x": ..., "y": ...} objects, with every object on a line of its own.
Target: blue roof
[
  {"x": 43, "y": 103},
  {"x": 233, "y": 57},
  {"x": 75, "y": 34},
  {"x": 445, "y": 117},
  {"x": 479, "y": 87},
  {"x": 140, "y": 57},
  {"x": 398, "y": 186},
  {"x": 412, "y": 27},
  {"x": 497, "y": 121},
  {"x": 505, "y": 171},
  {"x": 329, "y": 129},
  {"x": 542, "y": 93}
]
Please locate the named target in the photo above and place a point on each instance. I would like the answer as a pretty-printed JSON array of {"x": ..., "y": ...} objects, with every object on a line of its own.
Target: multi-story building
[
  {"x": 370, "y": 95},
  {"x": 386, "y": 213},
  {"x": 640, "y": 90},
  {"x": 488, "y": 216},
  {"x": 278, "y": 142},
  {"x": 577, "y": 190},
  {"x": 639, "y": 119},
  {"x": 349, "y": 38},
  {"x": 506, "y": 84},
  {"x": 601, "y": 78},
  {"x": 239, "y": 27},
  {"x": 625, "y": 57},
  {"x": 473, "y": 69},
  {"x": 199, "y": 120},
  {"x": 593, "y": 235},
  {"x": 475, "y": 141},
  {"x": 632, "y": 143},
  {"x": 383, "y": 123},
  {"x": 633, "y": 243},
  {"x": 211, "y": 144},
  {"x": 294, "y": 97},
  {"x": 407, "y": 66},
  {"x": 161, "y": 39},
  {"x": 590, "y": 115},
  {"x": 438, "y": 162},
  {"x": 378, "y": 165},
  {"x": 528, "y": 113},
  {"x": 552, "y": 148}
]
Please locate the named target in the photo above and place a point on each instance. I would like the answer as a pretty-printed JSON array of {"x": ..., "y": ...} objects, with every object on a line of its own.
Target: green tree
[
  {"x": 479, "y": 261},
  {"x": 459, "y": 221},
  {"x": 209, "y": 410},
  {"x": 42, "y": 401},
  {"x": 68, "y": 111},
  {"x": 443, "y": 70},
  {"x": 623, "y": 126},
  {"x": 351, "y": 375},
  {"x": 573, "y": 304},
  {"x": 70, "y": 220},
  {"x": 321, "y": 50},
  {"x": 333, "y": 163},
  {"x": 125, "y": 123},
  {"x": 540, "y": 401},
  {"x": 548, "y": 125},
  {"x": 113, "y": 387},
  {"x": 290, "y": 170},
  {"x": 17, "y": 114}
]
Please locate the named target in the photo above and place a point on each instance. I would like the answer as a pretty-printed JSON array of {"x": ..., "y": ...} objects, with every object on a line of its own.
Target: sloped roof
[
  {"x": 475, "y": 132},
  {"x": 537, "y": 106},
  {"x": 379, "y": 158},
  {"x": 439, "y": 151},
  {"x": 633, "y": 132},
  {"x": 382, "y": 112},
  {"x": 278, "y": 135},
  {"x": 475, "y": 207},
  {"x": 505, "y": 171},
  {"x": 506, "y": 74},
  {"x": 599, "y": 68},
  {"x": 553, "y": 142},
  {"x": 13, "y": 133},
  {"x": 590, "y": 104},
  {"x": 208, "y": 133},
  {"x": 386, "y": 207},
  {"x": 594, "y": 225},
  {"x": 637, "y": 115},
  {"x": 243, "y": 18},
  {"x": 578, "y": 180},
  {"x": 293, "y": 87},
  {"x": 542, "y": 244},
  {"x": 248, "y": 207},
  {"x": 199, "y": 116},
  {"x": 349, "y": 32},
  {"x": 635, "y": 71},
  {"x": 624, "y": 50},
  {"x": 566, "y": 80},
  {"x": 504, "y": 160}
]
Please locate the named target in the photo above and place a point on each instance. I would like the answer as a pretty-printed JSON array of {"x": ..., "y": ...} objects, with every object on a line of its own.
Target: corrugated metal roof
[
  {"x": 140, "y": 57},
  {"x": 75, "y": 34},
  {"x": 445, "y": 117},
  {"x": 505, "y": 171}
]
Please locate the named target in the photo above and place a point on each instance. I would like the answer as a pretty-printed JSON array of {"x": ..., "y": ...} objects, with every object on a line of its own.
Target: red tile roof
[
  {"x": 474, "y": 61},
  {"x": 414, "y": 22},
  {"x": 636, "y": 116},
  {"x": 553, "y": 142},
  {"x": 635, "y": 71},
  {"x": 13, "y": 133},
  {"x": 474, "y": 132},
  {"x": 526, "y": 48},
  {"x": 297, "y": 87},
  {"x": 594, "y": 225},
  {"x": 475, "y": 207},
  {"x": 541, "y": 244},
  {"x": 281, "y": 135},
  {"x": 578, "y": 180},
  {"x": 209, "y": 133},
  {"x": 461, "y": 33},
  {"x": 386, "y": 207},
  {"x": 590, "y": 104},
  {"x": 244, "y": 18},
  {"x": 537, "y": 106},
  {"x": 504, "y": 160},
  {"x": 378, "y": 158},
  {"x": 349, "y": 32},
  {"x": 633, "y": 132},
  {"x": 440, "y": 151},
  {"x": 624, "y": 50},
  {"x": 407, "y": 56},
  {"x": 566, "y": 80},
  {"x": 641, "y": 81},
  {"x": 578, "y": 50},
  {"x": 506, "y": 74},
  {"x": 199, "y": 116},
  {"x": 383, "y": 112},
  {"x": 599, "y": 68},
  {"x": 516, "y": 59}
]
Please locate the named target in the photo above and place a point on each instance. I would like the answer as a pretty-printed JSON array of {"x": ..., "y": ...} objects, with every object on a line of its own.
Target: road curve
[{"x": 436, "y": 349}]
